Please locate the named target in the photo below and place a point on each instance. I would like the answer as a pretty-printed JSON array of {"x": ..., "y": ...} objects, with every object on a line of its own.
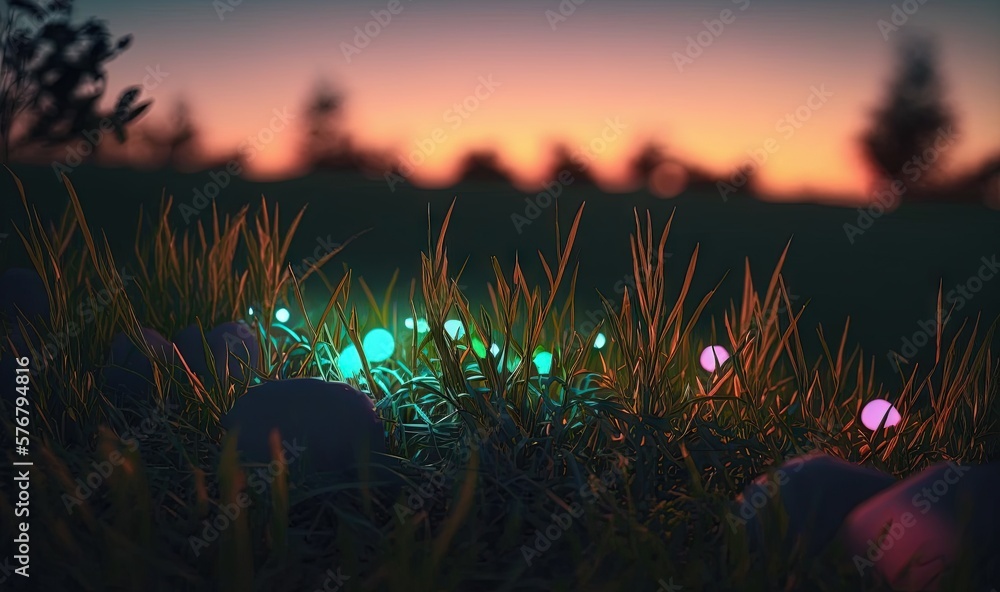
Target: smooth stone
[
  {"x": 235, "y": 348},
  {"x": 189, "y": 344},
  {"x": 335, "y": 423},
  {"x": 914, "y": 531},
  {"x": 816, "y": 491},
  {"x": 129, "y": 370},
  {"x": 232, "y": 345}
]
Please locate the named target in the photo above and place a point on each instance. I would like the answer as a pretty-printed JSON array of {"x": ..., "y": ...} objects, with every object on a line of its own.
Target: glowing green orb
[
  {"x": 543, "y": 361},
  {"x": 349, "y": 362},
  {"x": 454, "y": 328},
  {"x": 282, "y": 315},
  {"x": 600, "y": 341},
  {"x": 408, "y": 323},
  {"x": 379, "y": 345}
]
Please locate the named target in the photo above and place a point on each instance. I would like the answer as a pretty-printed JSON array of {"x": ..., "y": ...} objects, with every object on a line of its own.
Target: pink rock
[
  {"x": 335, "y": 423},
  {"x": 815, "y": 491},
  {"x": 942, "y": 517}
]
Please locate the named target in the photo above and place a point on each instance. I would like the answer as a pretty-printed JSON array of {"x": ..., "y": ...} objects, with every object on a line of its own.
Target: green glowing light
[
  {"x": 479, "y": 347},
  {"x": 349, "y": 362},
  {"x": 282, "y": 315},
  {"x": 454, "y": 328},
  {"x": 408, "y": 323},
  {"x": 422, "y": 326},
  {"x": 379, "y": 345},
  {"x": 543, "y": 361},
  {"x": 600, "y": 341}
]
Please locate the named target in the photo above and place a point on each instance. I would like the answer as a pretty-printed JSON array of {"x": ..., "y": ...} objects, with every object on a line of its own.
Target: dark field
[{"x": 887, "y": 281}]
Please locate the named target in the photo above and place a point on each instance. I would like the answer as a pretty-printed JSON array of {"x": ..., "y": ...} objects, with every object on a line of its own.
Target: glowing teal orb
[
  {"x": 422, "y": 326},
  {"x": 379, "y": 345},
  {"x": 349, "y": 362},
  {"x": 282, "y": 315},
  {"x": 495, "y": 349},
  {"x": 600, "y": 341},
  {"x": 543, "y": 361},
  {"x": 408, "y": 323},
  {"x": 250, "y": 312},
  {"x": 454, "y": 328}
]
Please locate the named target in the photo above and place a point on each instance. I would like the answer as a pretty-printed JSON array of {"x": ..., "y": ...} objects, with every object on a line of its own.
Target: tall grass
[{"x": 492, "y": 449}]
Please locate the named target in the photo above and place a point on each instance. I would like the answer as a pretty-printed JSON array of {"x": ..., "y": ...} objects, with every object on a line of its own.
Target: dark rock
[
  {"x": 235, "y": 348},
  {"x": 333, "y": 423},
  {"x": 946, "y": 516},
  {"x": 816, "y": 492},
  {"x": 232, "y": 347},
  {"x": 130, "y": 371}
]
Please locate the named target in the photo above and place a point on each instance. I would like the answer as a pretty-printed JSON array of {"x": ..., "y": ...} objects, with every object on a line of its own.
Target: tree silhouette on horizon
[
  {"x": 53, "y": 77},
  {"x": 911, "y": 119}
]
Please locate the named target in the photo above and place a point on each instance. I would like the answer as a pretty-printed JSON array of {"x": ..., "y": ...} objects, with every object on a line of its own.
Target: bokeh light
[
  {"x": 422, "y": 326},
  {"x": 543, "y": 361},
  {"x": 876, "y": 410},
  {"x": 712, "y": 357},
  {"x": 349, "y": 362},
  {"x": 668, "y": 180},
  {"x": 250, "y": 311},
  {"x": 408, "y": 323},
  {"x": 282, "y": 315},
  {"x": 600, "y": 341},
  {"x": 379, "y": 345},
  {"x": 454, "y": 328}
]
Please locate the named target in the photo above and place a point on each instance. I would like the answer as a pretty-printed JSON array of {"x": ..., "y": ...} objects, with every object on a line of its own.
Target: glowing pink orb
[
  {"x": 713, "y": 357},
  {"x": 877, "y": 409}
]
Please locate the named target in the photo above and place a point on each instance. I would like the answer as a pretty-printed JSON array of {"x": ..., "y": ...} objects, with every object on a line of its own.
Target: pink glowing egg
[
  {"x": 713, "y": 357},
  {"x": 877, "y": 409}
]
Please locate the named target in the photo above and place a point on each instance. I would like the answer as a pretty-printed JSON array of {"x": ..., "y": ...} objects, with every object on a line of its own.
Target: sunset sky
[{"x": 562, "y": 80}]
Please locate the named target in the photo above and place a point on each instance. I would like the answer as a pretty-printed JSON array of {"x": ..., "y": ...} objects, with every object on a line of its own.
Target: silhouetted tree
[
  {"x": 52, "y": 76},
  {"x": 176, "y": 144},
  {"x": 565, "y": 160},
  {"x": 483, "y": 165},
  {"x": 650, "y": 156},
  {"x": 913, "y": 117}
]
